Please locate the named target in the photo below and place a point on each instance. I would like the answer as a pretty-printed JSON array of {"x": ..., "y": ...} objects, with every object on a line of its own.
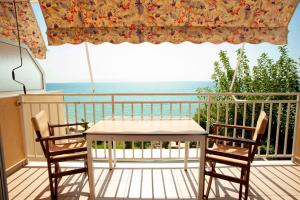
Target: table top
[{"x": 146, "y": 127}]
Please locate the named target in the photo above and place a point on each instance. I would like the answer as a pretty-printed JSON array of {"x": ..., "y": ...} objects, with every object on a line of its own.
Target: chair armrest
[
  {"x": 227, "y": 155},
  {"x": 248, "y": 128},
  {"x": 68, "y": 151},
  {"x": 72, "y": 124},
  {"x": 62, "y": 137},
  {"x": 230, "y": 139}
]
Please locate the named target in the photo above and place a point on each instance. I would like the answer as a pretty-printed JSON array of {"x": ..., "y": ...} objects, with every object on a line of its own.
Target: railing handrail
[
  {"x": 158, "y": 102},
  {"x": 134, "y": 105},
  {"x": 167, "y": 94}
]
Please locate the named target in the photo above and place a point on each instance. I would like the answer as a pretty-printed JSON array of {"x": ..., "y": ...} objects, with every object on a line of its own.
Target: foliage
[{"x": 267, "y": 76}]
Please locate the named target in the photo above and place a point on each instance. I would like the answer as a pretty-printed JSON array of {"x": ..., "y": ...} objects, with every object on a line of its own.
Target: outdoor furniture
[
  {"x": 59, "y": 152},
  {"x": 237, "y": 156},
  {"x": 146, "y": 130}
]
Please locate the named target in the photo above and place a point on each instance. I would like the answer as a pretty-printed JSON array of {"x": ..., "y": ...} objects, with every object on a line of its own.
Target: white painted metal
[
  {"x": 278, "y": 128},
  {"x": 296, "y": 127},
  {"x": 157, "y": 111},
  {"x": 90, "y": 67},
  {"x": 287, "y": 123},
  {"x": 269, "y": 129}
]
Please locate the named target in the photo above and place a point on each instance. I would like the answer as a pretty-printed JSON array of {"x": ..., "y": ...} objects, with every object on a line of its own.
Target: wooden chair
[
  {"x": 59, "y": 152},
  {"x": 234, "y": 155}
]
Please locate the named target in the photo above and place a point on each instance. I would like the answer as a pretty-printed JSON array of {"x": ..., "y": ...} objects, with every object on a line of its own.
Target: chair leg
[
  {"x": 53, "y": 197},
  {"x": 210, "y": 179},
  {"x": 247, "y": 182},
  {"x": 241, "y": 184},
  {"x": 56, "y": 180}
]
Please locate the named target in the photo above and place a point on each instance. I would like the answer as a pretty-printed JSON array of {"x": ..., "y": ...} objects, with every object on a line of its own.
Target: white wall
[{"x": 30, "y": 73}]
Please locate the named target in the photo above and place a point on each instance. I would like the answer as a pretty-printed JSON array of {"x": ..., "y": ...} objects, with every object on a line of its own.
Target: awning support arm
[
  {"x": 90, "y": 67},
  {"x": 236, "y": 70}
]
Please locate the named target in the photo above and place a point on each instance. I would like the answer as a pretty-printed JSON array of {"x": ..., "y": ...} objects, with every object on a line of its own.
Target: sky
[{"x": 150, "y": 62}]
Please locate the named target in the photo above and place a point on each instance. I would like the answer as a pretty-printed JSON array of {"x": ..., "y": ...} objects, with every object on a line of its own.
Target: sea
[
  {"x": 95, "y": 112},
  {"x": 130, "y": 87}
]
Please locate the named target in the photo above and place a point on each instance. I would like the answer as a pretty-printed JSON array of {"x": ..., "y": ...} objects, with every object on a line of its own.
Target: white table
[{"x": 146, "y": 130}]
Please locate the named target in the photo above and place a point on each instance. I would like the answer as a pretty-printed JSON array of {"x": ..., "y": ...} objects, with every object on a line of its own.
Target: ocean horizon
[{"x": 130, "y": 87}]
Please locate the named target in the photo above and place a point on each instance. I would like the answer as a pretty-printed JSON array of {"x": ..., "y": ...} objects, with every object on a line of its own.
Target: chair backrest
[
  {"x": 40, "y": 124},
  {"x": 259, "y": 131}
]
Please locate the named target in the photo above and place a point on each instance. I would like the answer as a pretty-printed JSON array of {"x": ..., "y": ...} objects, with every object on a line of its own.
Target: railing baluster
[
  {"x": 123, "y": 149},
  {"x": 76, "y": 117},
  {"x": 94, "y": 114},
  {"x": 171, "y": 111},
  {"x": 58, "y": 118},
  {"x": 113, "y": 106},
  {"x": 170, "y": 151},
  {"x": 132, "y": 146},
  {"x": 253, "y": 114},
  {"x": 142, "y": 111},
  {"x": 180, "y": 111},
  {"x": 269, "y": 128},
  {"x": 208, "y": 114},
  {"x": 160, "y": 146},
  {"x": 122, "y": 110},
  {"x": 244, "y": 120},
  {"x": 277, "y": 129},
  {"x": 103, "y": 111},
  {"x": 190, "y": 110},
  {"x": 151, "y": 111},
  {"x": 198, "y": 113},
  {"x": 235, "y": 120},
  {"x": 67, "y": 113},
  {"x": 151, "y": 143},
  {"x": 132, "y": 111},
  {"x": 142, "y": 149},
  {"x": 179, "y": 143},
  {"x": 84, "y": 112},
  {"x": 218, "y": 112},
  {"x": 226, "y": 120},
  {"x": 96, "y": 148},
  {"x": 287, "y": 123},
  {"x": 161, "y": 111},
  {"x": 296, "y": 125}
]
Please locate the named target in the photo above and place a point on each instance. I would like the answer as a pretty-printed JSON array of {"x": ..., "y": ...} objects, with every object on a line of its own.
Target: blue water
[
  {"x": 101, "y": 111},
  {"x": 130, "y": 87}
]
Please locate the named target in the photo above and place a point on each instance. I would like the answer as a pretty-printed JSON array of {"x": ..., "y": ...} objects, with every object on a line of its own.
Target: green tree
[{"x": 267, "y": 76}]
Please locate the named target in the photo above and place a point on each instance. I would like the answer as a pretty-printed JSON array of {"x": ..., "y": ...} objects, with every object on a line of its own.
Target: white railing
[{"x": 66, "y": 108}]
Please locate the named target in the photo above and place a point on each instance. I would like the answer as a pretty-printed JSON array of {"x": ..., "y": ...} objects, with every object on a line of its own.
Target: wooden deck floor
[{"x": 154, "y": 181}]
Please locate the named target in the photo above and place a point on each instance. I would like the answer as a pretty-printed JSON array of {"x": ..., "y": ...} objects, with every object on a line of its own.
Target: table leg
[
  {"x": 110, "y": 154},
  {"x": 186, "y": 154},
  {"x": 201, "y": 180},
  {"x": 90, "y": 168}
]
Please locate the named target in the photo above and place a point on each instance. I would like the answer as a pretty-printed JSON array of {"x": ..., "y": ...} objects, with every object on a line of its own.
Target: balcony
[
  {"x": 154, "y": 170},
  {"x": 268, "y": 180}
]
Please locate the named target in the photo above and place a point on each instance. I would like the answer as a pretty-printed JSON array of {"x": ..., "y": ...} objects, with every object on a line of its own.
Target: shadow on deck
[{"x": 168, "y": 182}]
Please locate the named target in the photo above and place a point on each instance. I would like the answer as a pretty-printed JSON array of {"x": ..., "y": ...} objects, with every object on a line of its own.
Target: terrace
[
  {"x": 144, "y": 169},
  {"x": 158, "y": 165}
]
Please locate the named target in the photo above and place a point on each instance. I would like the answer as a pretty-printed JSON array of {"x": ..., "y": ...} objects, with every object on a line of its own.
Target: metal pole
[
  {"x": 236, "y": 71},
  {"x": 90, "y": 67},
  {"x": 237, "y": 67}
]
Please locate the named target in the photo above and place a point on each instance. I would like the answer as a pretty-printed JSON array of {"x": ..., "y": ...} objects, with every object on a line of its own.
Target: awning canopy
[
  {"x": 29, "y": 30},
  {"x": 156, "y": 21}
]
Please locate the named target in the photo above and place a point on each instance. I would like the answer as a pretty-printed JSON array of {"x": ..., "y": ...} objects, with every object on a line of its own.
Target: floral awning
[
  {"x": 156, "y": 21},
  {"x": 29, "y": 30}
]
